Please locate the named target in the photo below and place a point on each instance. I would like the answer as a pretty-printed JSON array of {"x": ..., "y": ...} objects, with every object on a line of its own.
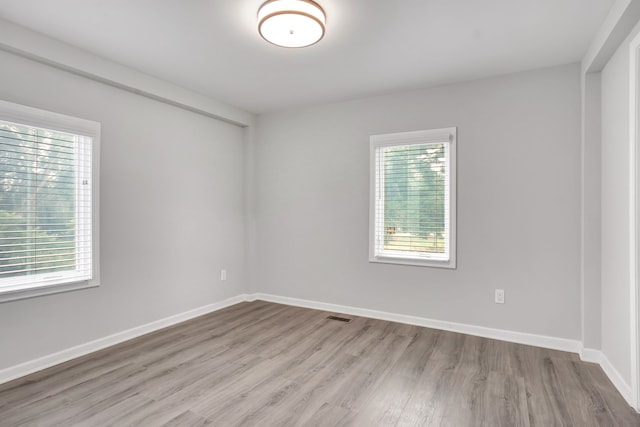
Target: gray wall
[
  {"x": 518, "y": 203},
  {"x": 591, "y": 211},
  {"x": 615, "y": 211},
  {"x": 171, "y": 214}
]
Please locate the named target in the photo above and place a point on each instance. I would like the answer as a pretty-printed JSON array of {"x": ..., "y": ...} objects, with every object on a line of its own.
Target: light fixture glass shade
[{"x": 291, "y": 23}]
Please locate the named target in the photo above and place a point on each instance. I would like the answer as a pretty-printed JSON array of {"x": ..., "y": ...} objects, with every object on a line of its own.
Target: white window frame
[
  {"x": 60, "y": 282},
  {"x": 376, "y": 198}
]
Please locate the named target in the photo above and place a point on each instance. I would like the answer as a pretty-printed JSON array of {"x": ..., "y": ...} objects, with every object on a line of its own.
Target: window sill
[
  {"x": 36, "y": 291},
  {"x": 450, "y": 264}
]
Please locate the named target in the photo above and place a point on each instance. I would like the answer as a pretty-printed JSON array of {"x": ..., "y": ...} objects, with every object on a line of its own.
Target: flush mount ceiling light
[{"x": 291, "y": 23}]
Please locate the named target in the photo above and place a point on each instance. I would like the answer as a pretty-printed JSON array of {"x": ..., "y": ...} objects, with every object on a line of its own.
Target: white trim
[
  {"x": 590, "y": 217},
  {"x": 591, "y": 355},
  {"x": 50, "y": 360},
  {"x": 616, "y": 379},
  {"x": 36, "y": 117},
  {"x": 634, "y": 186},
  {"x": 24, "y": 42},
  {"x": 596, "y": 356},
  {"x": 7, "y": 295},
  {"x": 555, "y": 343},
  {"x": 622, "y": 17}
]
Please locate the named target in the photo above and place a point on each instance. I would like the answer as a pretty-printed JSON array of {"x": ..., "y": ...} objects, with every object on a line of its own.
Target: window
[
  {"x": 412, "y": 208},
  {"x": 48, "y": 195}
]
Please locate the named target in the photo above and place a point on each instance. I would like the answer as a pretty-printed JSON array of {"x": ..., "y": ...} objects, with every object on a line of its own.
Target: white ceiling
[{"x": 371, "y": 46}]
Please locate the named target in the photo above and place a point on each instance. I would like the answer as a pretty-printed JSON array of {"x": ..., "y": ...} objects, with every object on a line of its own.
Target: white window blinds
[
  {"x": 45, "y": 206},
  {"x": 413, "y": 194}
]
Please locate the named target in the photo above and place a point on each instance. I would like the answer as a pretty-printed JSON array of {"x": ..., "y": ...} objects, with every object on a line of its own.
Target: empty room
[{"x": 319, "y": 213}]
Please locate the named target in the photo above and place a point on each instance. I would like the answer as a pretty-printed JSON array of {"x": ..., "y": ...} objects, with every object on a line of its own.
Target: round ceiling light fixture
[{"x": 291, "y": 23}]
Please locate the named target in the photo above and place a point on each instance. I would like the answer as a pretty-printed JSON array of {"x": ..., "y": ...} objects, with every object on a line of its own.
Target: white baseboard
[
  {"x": 50, "y": 360},
  {"x": 616, "y": 379},
  {"x": 591, "y": 355},
  {"x": 554, "y": 343},
  {"x": 596, "y": 356}
]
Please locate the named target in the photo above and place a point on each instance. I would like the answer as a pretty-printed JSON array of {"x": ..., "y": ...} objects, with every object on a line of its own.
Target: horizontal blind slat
[
  {"x": 49, "y": 135},
  {"x": 6, "y": 141}
]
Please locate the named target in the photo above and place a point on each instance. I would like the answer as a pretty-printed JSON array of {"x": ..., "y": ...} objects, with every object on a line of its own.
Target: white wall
[
  {"x": 518, "y": 203},
  {"x": 615, "y": 210},
  {"x": 171, "y": 214}
]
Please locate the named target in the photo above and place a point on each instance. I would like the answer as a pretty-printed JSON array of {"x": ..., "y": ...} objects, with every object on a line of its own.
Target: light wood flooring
[{"x": 264, "y": 364}]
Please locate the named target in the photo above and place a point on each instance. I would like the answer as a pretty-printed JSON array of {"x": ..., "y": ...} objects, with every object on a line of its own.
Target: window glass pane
[{"x": 415, "y": 194}]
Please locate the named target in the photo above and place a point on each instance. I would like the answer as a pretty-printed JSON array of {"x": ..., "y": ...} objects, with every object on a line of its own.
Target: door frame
[{"x": 634, "y": 220}]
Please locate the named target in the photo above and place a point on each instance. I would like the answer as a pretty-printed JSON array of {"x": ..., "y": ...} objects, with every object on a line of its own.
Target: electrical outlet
[
  {"x": 223, "y": 274},
  {"x": 499, "y": 297}
]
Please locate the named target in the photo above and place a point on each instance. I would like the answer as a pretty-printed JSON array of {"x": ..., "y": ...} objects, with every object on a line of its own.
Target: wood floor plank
[
  {"x": 187, "y": 419},
  {"x": 265, "y": 364},
  {"x": 26, "y": 393},
  {"x": 428, "y": 400},
  {"x": 314, "y": 392},
  {"x": 585, "y": 403},
  {"x": 386, "y": 405},
  {"x": 329, "y": 416},
  {"x": 616, "y": 408},
  {"x": 125, "y": 412},
  {"x": 358, "y": 389},
  {"x": 342, "y": 338},
  {"x": 502, "y": 402},
  {"x": 546, "y": 397},
  {"x": 253, "y": 406},
  {"x": 203, "y": 381},
  {"x": 77, "y": 401}
]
